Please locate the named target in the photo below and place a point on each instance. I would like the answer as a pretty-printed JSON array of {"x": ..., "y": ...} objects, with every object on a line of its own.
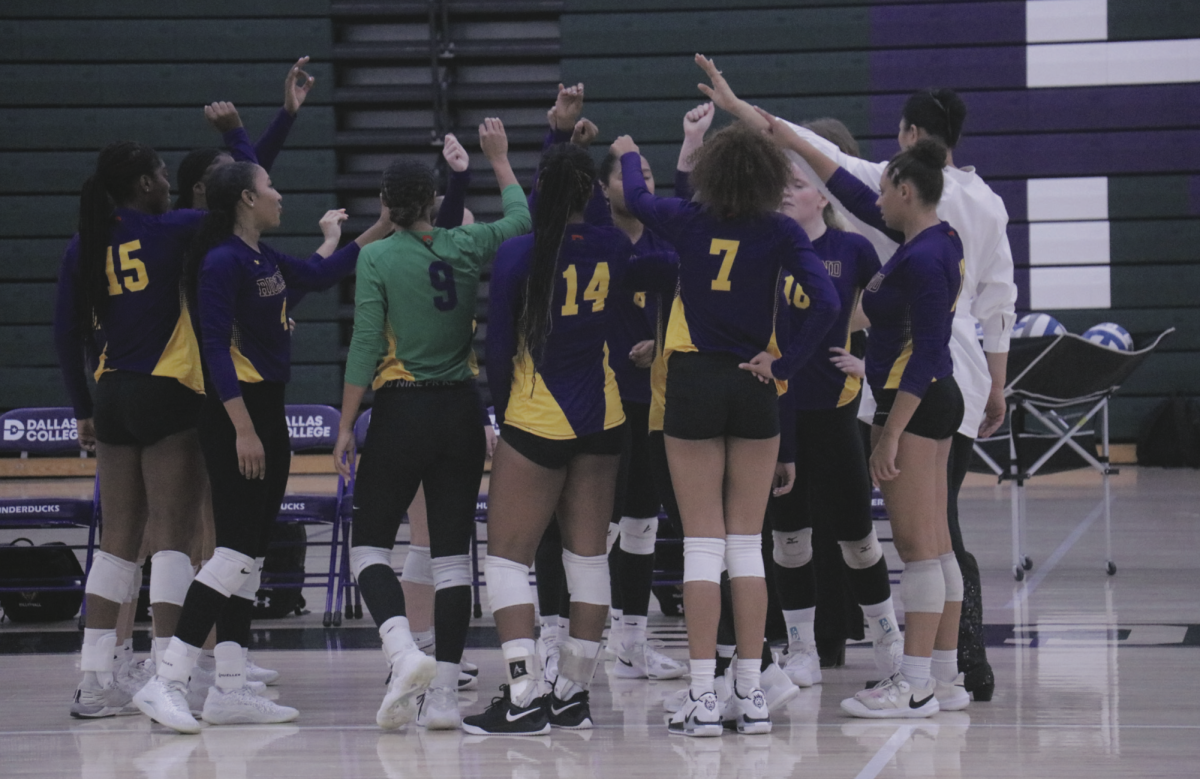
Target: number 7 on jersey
[{"x": 729, "y": 249}]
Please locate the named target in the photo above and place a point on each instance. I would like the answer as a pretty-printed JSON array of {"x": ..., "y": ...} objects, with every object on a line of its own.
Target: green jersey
[{"x": 414, "y": 305}]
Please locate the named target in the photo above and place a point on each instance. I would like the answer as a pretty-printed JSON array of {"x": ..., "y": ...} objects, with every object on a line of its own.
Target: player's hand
[
  {"x": 492, "y": 139},
  {"x": 993, "y": 412},
  {"x": 86, "y": 430},
  {"x": 623, "y": 145},
  {"x": 847, "y": 363},
  {"x": 223, "y": 116},
  {"x": 252, "y": 458},
  {"x": 785, "y": 479},
  {"x": 719, "y": 92},
  {"x": 454, "y": 153},
  {"x": 697, "y": 121},
  {"x": 642, "y": 353},
  {"x": 585, "y": 132},
  {"x": 296, "y": 86},
  {"x": 291, "y": 325},
  {"x": 568, "y": 107},
  {"x": 760, "y": 366},
  {"x": 883, "y": 459},
  {"x": 331, "y": 224},
  {"x": 343, "y": 451},
  {"x": 489, "y": 433}
]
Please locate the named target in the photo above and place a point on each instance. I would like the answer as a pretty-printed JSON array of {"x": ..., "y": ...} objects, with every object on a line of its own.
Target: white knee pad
[
  {"x": 170, "y": 576},
  {"x": 452, "y": 571},
  {"x": 111, "y": 577},
  {"x": 614, "y": 528},
  {"x": 794, "y": 549},
  {"x": 953, "y": 576},
  {"x": 703, "y": 559},
  {"x": 923, "y": 587},
  {"x": 862, "y": 554},
  {"x": 249, "y": 589},
  {"x": 363, "y": 557},
  {"x": 743, "y": 556},
  {"x": 226, "y": 572},
  {"x": 638, "y": 535},
  {"x": 507, "y": 583},
  {"x": 417, "y": 568},
  {"x": 587, "y": 578}
]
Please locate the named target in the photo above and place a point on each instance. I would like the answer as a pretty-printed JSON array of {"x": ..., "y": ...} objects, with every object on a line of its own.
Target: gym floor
[{"x": 1095, "y": 676}]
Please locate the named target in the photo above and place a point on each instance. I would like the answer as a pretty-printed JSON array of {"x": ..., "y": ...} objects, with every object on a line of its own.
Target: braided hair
[
  {"x": 223, "y": 191},
  {"x": 118, "y": 168},
  {"x": 408, "y": 191},
  {"x": 564, "y": 186}
]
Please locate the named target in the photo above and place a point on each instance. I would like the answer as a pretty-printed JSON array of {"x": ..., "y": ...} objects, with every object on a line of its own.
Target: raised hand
[
  {"x": 568, "y": 106},
  {"x": 331, "y": 223},
  {"x": 585, "y": 132},
  {"x": 492, "y": 139},
  {"x": 223, "y": 116},
  {"x": 697, "y": 121},
  {"x": 296, "y": 86},
  {"x": 454, "y": 153},
  {"x": 720, "y": 92},
  {"x": 623, "y": 145}
]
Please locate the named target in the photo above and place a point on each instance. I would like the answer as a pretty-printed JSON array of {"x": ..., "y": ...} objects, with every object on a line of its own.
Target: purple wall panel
[
  {"x": 948, "y": 24},
  {"x": 1015, "y": 197},
  {"x": 1082, "y": 154},
  {"x": 1194, "y": 195},
  {"x": 988, "y": 67}
]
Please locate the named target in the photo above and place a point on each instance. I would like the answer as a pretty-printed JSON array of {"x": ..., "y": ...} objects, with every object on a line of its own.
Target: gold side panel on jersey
[
  {"x": 531, "y": 406},
  {"x": 679, "y": 335},
  {"x": 245, "y": 369},
  {"x": 853, "y": 384},
  {"x": 391, "y": 367},
  {"x": 180, "y": 359},
  {"x": 893, "y": 379},
  {"x": 614, "y": 410},
  {"x": 658, "y": 391}
]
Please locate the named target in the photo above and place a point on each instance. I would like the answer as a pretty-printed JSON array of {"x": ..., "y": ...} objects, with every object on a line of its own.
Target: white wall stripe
[
  {"x": 1082, "y": 287},
  {"x": 1071, "y": 199},
  {"x": 1069, "y": 243},
  {"x": 1049, "y": 21},
  {"x": 1112, "y": 63}
]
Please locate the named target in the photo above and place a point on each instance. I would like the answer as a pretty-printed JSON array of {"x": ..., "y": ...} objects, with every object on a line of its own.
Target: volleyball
[
  {"x": 1111, "y": 335},
  {"x": 1036, "y": 325}
]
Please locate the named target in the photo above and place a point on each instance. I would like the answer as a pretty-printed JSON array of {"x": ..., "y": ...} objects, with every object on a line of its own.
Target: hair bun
[{"x": 930, "y": 152}]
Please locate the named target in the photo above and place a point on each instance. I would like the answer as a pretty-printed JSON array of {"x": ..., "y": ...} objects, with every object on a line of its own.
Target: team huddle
[{"x": 701, "y": 355}]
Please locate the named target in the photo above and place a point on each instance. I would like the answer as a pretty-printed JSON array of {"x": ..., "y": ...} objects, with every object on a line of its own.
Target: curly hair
[
  {"x": 739, "y": 172},
  {"x": 408, "y": 190}
]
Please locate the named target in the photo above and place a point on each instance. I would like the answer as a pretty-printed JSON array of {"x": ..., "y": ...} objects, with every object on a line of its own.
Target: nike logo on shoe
[
  {"x": 556, "y": 711},
  {"x": 625, "y": 662},
  {"x": 245, "y": 571},
  {"x": 913, "y": 703},
  {"x": 508, "y": 715}
]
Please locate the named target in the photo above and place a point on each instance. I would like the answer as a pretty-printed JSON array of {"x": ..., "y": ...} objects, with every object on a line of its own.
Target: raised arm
[
  {"x": 516, "y": 221},
  {"x": 224, "y": 118},
  {"x": 455, "y": 199},
  {"x": 654, "y": 212}
]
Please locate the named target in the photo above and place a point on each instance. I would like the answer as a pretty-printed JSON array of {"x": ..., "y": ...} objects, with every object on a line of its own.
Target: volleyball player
[
  {"x": 979, "y": 214},
  {"x": 119, "y": 291},
  {"x": 910, "y": 303},
  {"x": 833, "y": 487},
  {"x": 244, "y": 290},
  {"x": 722, "y": 417},
  {"x": 414, "y": 302},
  {"x": 562, "y": 429}
]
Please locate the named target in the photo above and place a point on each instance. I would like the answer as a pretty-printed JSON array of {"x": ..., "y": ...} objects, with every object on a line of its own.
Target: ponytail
[
  {"x": 118, "y": 167},
  {"x": 223, "y": 191},
  {"x": 564, "y": 186}
]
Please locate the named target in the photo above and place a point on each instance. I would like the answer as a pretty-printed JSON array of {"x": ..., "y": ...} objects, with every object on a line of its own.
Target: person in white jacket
[{"x": 988, "y": 297}]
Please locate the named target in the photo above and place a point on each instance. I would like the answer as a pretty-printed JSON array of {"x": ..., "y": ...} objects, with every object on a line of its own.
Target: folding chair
[
  {"x": 48, "y": 431},
  {"x": 1063, "y": 384},
  {"x": 312, "y": 427},
  {"x": 345, "y": 578}
]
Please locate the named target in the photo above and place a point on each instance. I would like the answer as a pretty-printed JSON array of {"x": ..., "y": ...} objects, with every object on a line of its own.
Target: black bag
[
  {"x": 284, "y": 565},
  {"x": 1170, "y": 435},
  {"x": 51, "y": 564}
]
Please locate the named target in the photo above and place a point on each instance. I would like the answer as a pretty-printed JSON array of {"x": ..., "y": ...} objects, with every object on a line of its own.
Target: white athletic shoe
[
  {"x": 437, "y": 709},
  {"x": 94, "y": 701},
  {"x": 888, "y": 656},
  {"x": 256, "y": 673},
  {"x": 697, "y": 717},
  {"x": 803, "y": 667},
  {"x": 952, "y": 696},
  {"x": 780, "y": 689},
  {"x": 133, "y": 676},
  {"x": 411, "y": 674},
  {"x": 675, "y": 701},
  {"x": 748, "y": 715},
  {"x": 202, "y": 680},
  {"x": 894, "y": 697},
  {"x": 467, "y": 667},
  {"x": 642, "y": 661},
  {"x": 164, "y": 702},
  {"x": 241, "y": 706},
  {"x": 467, "y": 681}
]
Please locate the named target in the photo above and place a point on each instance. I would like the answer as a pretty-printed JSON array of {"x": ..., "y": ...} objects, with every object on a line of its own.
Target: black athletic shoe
[
  {"x": 572, "y": 714},
  {"x": 504, "y": 718}
]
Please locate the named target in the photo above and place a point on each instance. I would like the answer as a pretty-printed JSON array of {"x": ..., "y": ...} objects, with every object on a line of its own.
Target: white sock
[
  {"x": 881, "y": 621},
  {"x": 748, "y": 675},
  {"x": 160, "y": 646},
  {"x": 549, "y": 631},
  {"x": 424, "y": 640},
  {"x": 99, "y": 653},
  {"x": 564, "y": 624},
  {"x": 446, "y": 676},
  {"x": 800, "y": 628},
  {"x": 915, "y": 670},
  {"x": 633, "y": 629},
  {"x": 944, "y": 664},
  {"x": 177, "y": 661},
  {"x": 702, "y": 676},
  {"x": 522, "y": 679},
  {"x": 397, "y": 638},
  {"x": 230, "y": 671},
  {"x": 125, "y": 652}
]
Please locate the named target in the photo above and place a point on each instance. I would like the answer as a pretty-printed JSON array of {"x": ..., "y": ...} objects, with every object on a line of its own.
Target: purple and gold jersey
[
  {"x": 730, "y": 273},
  {"x": 147, "y": 328},
  {"x": 244, "y": 300},
  {"x": 634, "y": 319}
]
